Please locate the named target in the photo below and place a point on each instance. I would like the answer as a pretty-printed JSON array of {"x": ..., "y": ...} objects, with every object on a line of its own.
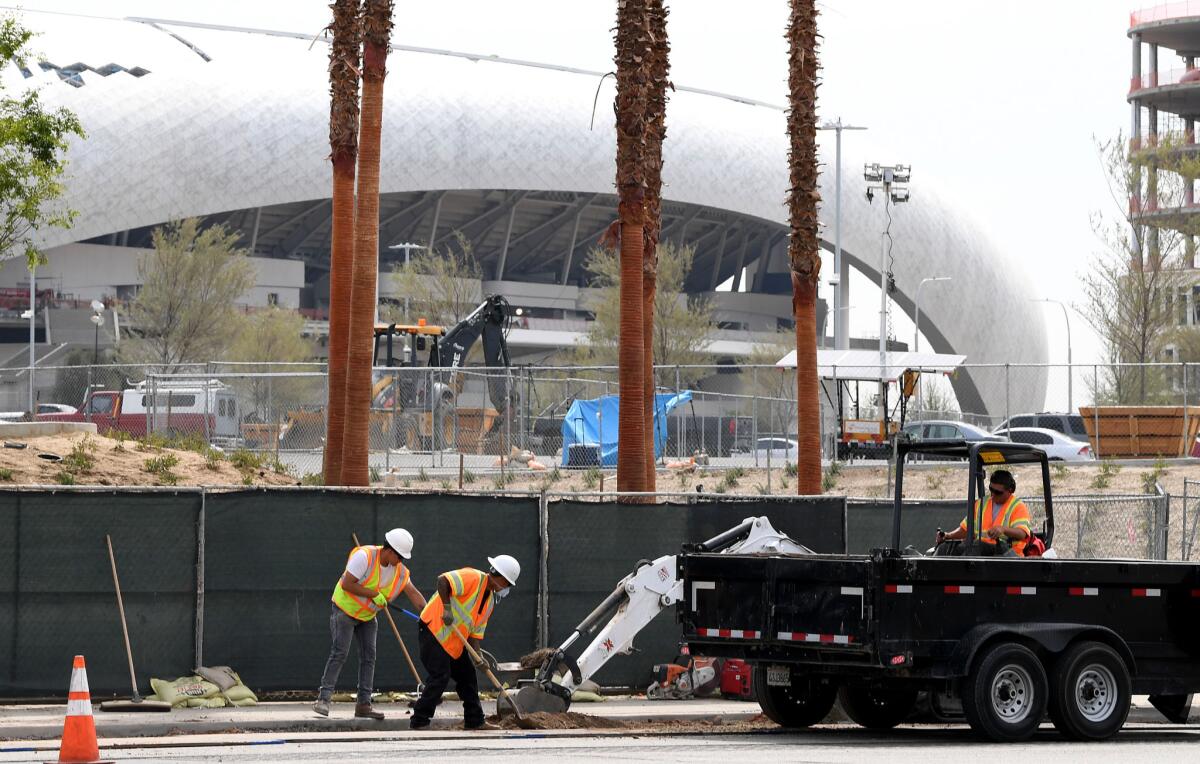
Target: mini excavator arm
[{"x": 637, "y": 599}]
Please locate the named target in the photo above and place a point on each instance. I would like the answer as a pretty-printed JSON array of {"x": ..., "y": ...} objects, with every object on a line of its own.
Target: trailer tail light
[{"x": 898, "y": 660}]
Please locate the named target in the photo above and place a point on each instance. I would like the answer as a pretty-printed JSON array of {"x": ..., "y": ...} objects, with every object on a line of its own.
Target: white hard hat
[
  {"x": 506, "y": 566},
  {"x": 400, "y": 540}
]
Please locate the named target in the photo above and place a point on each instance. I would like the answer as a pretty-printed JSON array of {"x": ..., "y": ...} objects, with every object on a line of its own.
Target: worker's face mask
[{"x": 501, "y": 594}]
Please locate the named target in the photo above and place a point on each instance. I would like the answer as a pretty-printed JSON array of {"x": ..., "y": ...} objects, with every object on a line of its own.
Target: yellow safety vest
[
  {"x": 471, "y": 604},
  {"x": 363, "y": 608}
]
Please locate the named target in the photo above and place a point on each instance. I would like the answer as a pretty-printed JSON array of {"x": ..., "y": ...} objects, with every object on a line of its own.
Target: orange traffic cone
[{"x": 79, "y": 729}]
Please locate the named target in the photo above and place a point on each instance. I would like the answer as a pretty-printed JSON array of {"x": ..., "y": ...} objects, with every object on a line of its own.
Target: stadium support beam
[
  {"x": 541, "y": 233},
  {"x": 316, "y": 217},
  {"x": 482, "y": 224},
  {"x": 566, "y": 270},
  {"x": 267, "y": 234},
  {"x": 715, "y": 271}
]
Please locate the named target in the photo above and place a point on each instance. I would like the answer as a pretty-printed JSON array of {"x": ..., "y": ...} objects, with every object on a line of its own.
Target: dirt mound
[
  {"x": 86, "y": 459},
  {"x": 543, "y": 720}
]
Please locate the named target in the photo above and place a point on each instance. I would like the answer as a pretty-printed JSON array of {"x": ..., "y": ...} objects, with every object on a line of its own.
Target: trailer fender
[{"x": 1052, "y": 638}]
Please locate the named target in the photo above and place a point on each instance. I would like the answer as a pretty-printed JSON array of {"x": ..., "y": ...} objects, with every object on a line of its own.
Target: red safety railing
[
  {"x": 1169, "y": 77},
  {"x": 1164, "y": 12}
]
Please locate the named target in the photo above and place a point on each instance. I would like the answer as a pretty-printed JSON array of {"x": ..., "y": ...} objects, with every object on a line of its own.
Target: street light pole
[
  {"x": 841, "y": 337},
  {"x": 917, "y": 312},
  {"x": 892, "y": 180},
  {"x": 1067, "y": 318},
  {"x": 408, "y": 247}
]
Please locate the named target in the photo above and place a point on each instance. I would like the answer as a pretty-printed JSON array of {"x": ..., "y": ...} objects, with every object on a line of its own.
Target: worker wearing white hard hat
[
  {"x": 374, "y": 576},
  {"x": 459, "y": 611}
]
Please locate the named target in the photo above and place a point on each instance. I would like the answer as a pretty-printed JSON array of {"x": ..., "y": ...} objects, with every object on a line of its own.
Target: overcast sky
[{"x": 996, "y": 102}]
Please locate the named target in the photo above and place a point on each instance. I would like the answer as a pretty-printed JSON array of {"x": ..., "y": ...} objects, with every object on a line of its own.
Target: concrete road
[{"x": 832, "y": 743}]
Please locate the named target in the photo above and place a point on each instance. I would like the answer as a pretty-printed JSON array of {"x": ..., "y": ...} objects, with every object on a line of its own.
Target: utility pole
[{"x": 841, "y": 335}]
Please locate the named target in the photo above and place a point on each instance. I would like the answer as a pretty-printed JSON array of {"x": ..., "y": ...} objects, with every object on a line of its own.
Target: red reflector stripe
[
  {"x": 1083, "y": 591},
  {"x": 1020, "y": 590},
  {"x": 959, "y": 589},
  {"x": 1147, "y": 592}
]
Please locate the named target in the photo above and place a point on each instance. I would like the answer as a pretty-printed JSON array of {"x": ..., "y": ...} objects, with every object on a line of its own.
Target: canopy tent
[
  {"x": 864, "y": 364},
  {"x": 593, "y": 422}
]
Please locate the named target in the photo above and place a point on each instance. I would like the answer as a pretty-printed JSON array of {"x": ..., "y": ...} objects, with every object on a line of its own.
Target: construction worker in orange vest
[
  {"x": 1003, "y": 515},
  {"x": 373, "y": 577},
  {"x": 459, "y": 611}
]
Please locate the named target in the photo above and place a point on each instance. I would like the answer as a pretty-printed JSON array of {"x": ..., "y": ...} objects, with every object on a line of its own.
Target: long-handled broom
[{"x": 137, "y": 702}]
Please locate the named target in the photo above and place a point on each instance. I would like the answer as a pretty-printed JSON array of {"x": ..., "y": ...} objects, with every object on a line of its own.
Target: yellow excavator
[{"x": 416, "y": 408}]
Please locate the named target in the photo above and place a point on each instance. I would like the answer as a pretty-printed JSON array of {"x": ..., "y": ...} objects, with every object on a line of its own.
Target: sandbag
[{"x": 178, "y": 692}]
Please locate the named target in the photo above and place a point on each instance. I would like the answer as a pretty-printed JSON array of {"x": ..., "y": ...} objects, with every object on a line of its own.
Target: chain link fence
[{"x": 731, "y": 416}]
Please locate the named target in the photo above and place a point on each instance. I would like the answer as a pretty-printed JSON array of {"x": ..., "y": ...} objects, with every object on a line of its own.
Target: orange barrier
[{"x": 79, "y": 729}]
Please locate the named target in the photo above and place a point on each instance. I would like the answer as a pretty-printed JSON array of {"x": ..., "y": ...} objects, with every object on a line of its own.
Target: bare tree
[
  {"x": 1131, "y": 293},
  {"x": 442, "y": 287}
]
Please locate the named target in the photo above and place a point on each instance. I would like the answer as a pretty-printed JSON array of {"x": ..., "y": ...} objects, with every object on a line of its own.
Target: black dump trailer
[{"x": 1004, "y": 641}]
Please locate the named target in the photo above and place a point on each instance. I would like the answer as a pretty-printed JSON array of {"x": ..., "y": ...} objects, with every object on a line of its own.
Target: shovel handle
[
  {"x": 124, "y": 628},
  {"x": 483, "y": 664}
]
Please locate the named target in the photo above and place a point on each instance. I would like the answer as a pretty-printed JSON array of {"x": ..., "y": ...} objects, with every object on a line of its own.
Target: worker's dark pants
[
  {"x": 342, "y": 627},
  {"x": 440, "y": 668}
]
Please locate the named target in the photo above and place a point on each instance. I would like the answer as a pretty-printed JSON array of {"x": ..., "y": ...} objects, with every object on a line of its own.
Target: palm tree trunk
[
  {"x": 344, "y": 63},
  {"x": 377, "y": 28},
  {"x": 658, "y": 64},
  {"x": 632, "y": 43},
  {"x": 803, "y": 257}
]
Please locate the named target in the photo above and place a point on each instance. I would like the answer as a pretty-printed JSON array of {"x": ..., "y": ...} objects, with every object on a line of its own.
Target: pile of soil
[
  {"x": 544, "y": 720},
  {"x": 120, "y": 463}
]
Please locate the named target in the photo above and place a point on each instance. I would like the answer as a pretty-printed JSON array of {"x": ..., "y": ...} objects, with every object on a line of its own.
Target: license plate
[{"x": 779, "y": 676}]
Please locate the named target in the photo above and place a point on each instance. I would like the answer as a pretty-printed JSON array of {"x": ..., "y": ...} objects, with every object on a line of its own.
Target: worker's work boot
[
  {"x": 485, "y": 726},
  {"x": 321, "y": 707},
  {"x": 365, "y": 711}
]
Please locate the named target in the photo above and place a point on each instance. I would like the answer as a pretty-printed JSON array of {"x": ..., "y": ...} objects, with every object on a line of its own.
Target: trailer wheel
[
  {"x": 877, "y": 707},
  {"x": 805, "y": 703},
  {"x": 1090, "y": 692},
  {"x": 1005, "y": 695}
]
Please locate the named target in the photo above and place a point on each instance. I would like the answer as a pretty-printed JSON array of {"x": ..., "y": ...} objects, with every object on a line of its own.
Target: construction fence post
[
  {"x": 1096, "y": 405},
  {"x": 754, "y": 416},
  {"x": 1007, "y": 412},
  {"x": 198, "y": 636},
  {"x": 543, "y": 606}
]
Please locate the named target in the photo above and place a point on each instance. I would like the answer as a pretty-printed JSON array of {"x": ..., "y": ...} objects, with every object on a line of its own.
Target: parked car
[
  {"x": 56, "y": 408},
  {"x": 1056, "y": 445},
  {"x": 1070, "y": 425},
  {"x": 778, "y": 448},
  {"x": 945, "y": 429}
]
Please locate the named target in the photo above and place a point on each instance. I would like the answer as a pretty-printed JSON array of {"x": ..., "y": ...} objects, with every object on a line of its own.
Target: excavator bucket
[{"x": 532, "y": 699}]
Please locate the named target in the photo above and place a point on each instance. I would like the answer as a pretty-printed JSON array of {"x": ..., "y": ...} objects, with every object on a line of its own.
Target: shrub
[
  {"x": 80, "y": 460},
  {"x": 247, "y": 460},
  {"x": 65, "y": 478},
  {"x": 591, "y": 477},
  {"x": 312, "y": 478},
  {"x": 213, "y": 458},
  {"x": 791, "y": 469},
  {"x": 6, "y": 474},
  {"x": 468, "y": 477}
]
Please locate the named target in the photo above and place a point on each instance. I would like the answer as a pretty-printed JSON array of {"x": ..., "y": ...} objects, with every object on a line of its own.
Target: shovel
[{"x": 136, "y": 703}]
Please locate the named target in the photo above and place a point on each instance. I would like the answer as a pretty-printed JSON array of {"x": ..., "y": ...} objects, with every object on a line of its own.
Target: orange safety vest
[
  {"x": 470, "y": 602},
  {"x": 364, "y": 608},
  {"x": 1014, "y": 515}
]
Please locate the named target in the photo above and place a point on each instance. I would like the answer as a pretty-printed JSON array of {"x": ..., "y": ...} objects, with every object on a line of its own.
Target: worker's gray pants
[{"x": 341, "y": 628}]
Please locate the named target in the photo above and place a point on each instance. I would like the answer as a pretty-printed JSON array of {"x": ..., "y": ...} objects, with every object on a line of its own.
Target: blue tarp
[{"x": 594, "y": 422}]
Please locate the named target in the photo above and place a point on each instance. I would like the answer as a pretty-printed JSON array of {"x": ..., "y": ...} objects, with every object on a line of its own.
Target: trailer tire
[
  {"x": 1005, "y": 696},
  {"x": 804, "y": 704},
  {"x": 1090, "y": 692},
  {"x": 878, "y": 706}
]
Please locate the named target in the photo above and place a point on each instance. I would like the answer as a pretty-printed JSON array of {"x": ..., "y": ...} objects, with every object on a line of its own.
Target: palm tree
[
  {"x": 632, "y": 44},
  {"x": 803, "y": 256},
  {"x": 376, "y": 32},
  {"x": 658, "y": 66},
  {"x": 344, "y": 63}
]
